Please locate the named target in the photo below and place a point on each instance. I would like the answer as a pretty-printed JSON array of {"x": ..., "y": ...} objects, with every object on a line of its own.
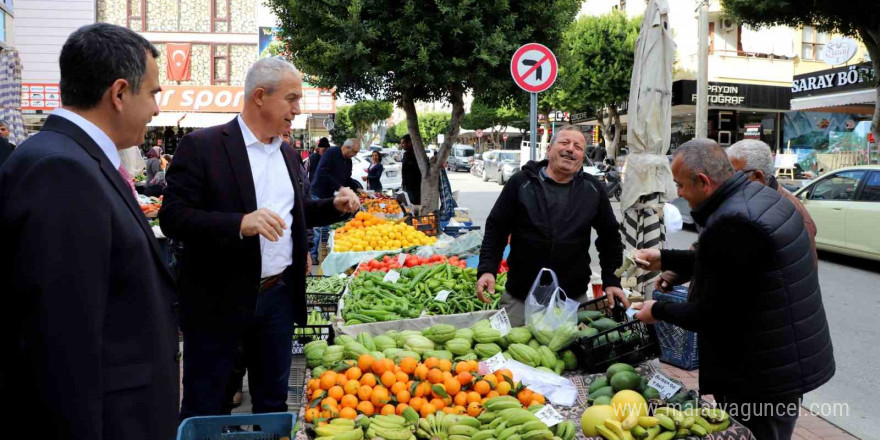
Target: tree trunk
[
  {"x": 871, "y": 39},
  {"x": 431, "y": 169},
  {"x": 609, "y": 138},
  {"x": 618, "y": 129}
]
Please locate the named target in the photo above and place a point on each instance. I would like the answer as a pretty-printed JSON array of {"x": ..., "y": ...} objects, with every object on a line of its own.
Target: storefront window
[
  {"x": 827, "y": 141},
  {"x": 757, "y": 125}
]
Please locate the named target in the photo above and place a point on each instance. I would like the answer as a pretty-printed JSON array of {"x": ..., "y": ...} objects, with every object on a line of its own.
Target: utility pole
[{"x": 702, "y": 113}]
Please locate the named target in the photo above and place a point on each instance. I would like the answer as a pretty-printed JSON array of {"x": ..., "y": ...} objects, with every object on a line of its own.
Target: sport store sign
[{"x": 832, "y": 80}]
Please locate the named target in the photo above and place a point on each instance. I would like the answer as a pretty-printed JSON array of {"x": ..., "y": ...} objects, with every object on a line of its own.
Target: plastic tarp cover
[{"x": 557, "y": 389}]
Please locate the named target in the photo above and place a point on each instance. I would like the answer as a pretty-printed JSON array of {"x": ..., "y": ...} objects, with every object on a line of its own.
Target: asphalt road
[{"x": 852, "y": 304}]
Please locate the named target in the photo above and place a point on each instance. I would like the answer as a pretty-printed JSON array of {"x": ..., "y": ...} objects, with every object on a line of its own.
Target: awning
[
  {"x": 202, "y": 120},
  {"x": 166, "y": 119},
  {"x": 866, "y": 96}
]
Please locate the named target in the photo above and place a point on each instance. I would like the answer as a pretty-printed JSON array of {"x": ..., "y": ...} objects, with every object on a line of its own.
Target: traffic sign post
[{"x": 534, "y": 70}]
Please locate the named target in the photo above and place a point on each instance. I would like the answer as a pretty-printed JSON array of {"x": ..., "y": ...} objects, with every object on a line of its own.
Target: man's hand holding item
[
  {"x": 644, "y": 313},
  {"x": 346, "y": 201},
  {"x": 616, "y": 293},
  {"x": 485, "y": 283},
  {"x": 647, "y": 259}
]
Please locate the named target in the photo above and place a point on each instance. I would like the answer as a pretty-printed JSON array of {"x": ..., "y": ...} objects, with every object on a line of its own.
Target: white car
[
  {"x": 391, "y": 178},
  {"x": 845, "y": 204}
]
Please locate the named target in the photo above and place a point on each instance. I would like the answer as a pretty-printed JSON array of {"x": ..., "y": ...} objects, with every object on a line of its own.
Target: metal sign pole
[{"x": 533, "y": 123}]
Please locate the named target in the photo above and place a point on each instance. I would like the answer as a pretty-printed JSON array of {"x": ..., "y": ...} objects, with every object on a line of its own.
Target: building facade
[{"x": 752, "y": 87}]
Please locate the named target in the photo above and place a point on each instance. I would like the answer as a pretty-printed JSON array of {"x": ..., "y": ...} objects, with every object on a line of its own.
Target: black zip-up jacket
[
  {"x": 754, "y": 299},
  {"x": 521, "y": 213}
]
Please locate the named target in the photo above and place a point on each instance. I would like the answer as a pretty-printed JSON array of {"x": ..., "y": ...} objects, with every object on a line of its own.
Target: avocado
[
  {"x": 602, "y": 400},
  {"x": 603, "y": 324},
  {"x": 587, "y": 332},
  {"x": 587, "y": 316},
  {"x": 616, "y": 368},
  {"x": 600, "y": 382},
  {"x": 604, "y": 391},
  {"x": 651, "y": 393},
  {"x": 625, "y": 380}
]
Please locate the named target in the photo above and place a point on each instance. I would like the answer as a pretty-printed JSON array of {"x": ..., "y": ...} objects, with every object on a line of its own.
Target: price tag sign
[
  {"x": 549, "y": 416},
  {"x": 391, "y": 277},
  {"x": 442, "y": 295},
  {"x": 664, "y": 385},
  {"x": 496, "y": 362},
  {"x": 382, "y": 205},
  {"x": 401, "y": 258},
  {"x": 500, "y": 322},
  {"x": 630, "y": 313}
]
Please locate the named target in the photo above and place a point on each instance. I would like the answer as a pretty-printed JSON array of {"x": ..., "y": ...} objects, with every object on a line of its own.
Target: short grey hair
[
  {"x": 705, "y": 156},
  {"x": 4, "y": 124},
  {"x": 755, "y": 153},
  {"x": 566, "y": 128},
  {"x": 349, "y": 142},
  {"x": 266, "y": 73}
]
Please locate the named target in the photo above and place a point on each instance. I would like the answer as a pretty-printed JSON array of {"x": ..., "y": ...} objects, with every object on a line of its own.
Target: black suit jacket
[
  {"x": 90, "y": 342},
  {"x": 210, "y": 189}
]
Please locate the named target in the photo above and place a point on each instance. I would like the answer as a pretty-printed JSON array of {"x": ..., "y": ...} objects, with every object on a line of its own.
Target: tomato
[{"x": 386, "y": 259}]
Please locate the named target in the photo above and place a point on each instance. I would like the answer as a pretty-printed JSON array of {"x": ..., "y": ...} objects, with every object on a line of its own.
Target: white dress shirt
[
  {"x": 97, "y": 135},
  {"x": 274, "y": 192}
]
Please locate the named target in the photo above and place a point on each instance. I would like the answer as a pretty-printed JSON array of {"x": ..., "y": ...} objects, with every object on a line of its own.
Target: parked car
[
  {"x": 460, "y": 158},
  {"x": 391, "y": 178},
  {"x": 494, "y": 162},
  {"x": 845, "y": 204}
]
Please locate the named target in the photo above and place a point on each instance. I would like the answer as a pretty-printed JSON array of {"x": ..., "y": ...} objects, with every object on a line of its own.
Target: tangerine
[
  {"x": 379, "y": 367},
  {"x": 388, "y": 378},
  {"x": 336, "y": 392},
  {"x": 408, "y": 365},
  {"x": 364, "y": 392},
  {"x": 397, "y": 387},
  {"x": 473, "y": 396},
  {"x": 348, "y": 413},
  {"x": 464, "y": 378},
  {"x": 431, "y": 362},
  {"x": 461, "y": 367},
  {"x": 349, "y": 401},
  {"x": 421, "y": 372},
  {"x": 427, "y": 409},
  {"x": 438, "y": 403},
  {"x": 353, "y": 373},
  {"x": 482, "y": 387},
  {"x": 365, "y": 362},
  {"x": 379, "y": 396},
  {"x": 365, "y": 408},
  {"x": 435, "y": 375},
  {"x": 387, "y": 410},
  {"x": 402, "y": 377},
  {"x": 444, "y": 365},
  {"x": 328, "y": 379},
  {"x": 461, "y": 398},
  {"x": 524, "y": 396},
  {"x": 503, "y": 388},
  {"x": 341, "y": 379},
  {"x": 403, "y": 396},
  {"x": 416, "y": 403},
  {"x": 474, "y": 409},
  {"x": 452, "y": 386},
  {"x": 368, "y": 379},
  {"x": 400, "y": 407}
]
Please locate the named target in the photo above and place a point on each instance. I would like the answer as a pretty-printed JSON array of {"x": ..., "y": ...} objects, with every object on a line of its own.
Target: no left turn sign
[{"x": 533, "y": 67}]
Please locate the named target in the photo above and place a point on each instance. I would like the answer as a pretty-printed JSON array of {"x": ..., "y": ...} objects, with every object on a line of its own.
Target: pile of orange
[
  {"x": 382, "y": 206},
  {"x": 379, "y": 386}
]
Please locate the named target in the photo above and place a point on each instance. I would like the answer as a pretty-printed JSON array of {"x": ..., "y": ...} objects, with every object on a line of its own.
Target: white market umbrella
[{"x": 648, "y": 180}]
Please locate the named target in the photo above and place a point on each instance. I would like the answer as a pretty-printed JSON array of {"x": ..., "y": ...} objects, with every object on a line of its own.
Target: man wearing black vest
[{"x": 755, "y": 300}]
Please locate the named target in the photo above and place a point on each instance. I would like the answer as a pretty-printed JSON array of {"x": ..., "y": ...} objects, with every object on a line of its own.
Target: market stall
[{"x": 395, "y": 364}]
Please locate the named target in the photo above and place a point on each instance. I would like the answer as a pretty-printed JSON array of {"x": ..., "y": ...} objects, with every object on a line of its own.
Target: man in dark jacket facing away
[
  {"x": 547, "y": 209},
  {"x": 755, "y": 300}
]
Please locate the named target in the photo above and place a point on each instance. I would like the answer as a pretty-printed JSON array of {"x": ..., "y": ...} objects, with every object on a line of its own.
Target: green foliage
[
  {"x": 416, "y": 49},
  {"x": 365, "y": 114},
  {"x": 596, "y": 62},
  {"x": 433, "y": 124},
  {"x": 484, "y": 116},
  {"x": 847, "y": 17},
  {"x": 343, "y": 127}
]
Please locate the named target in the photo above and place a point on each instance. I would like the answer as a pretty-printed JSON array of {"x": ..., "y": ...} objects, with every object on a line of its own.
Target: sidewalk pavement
[{"x": 808, "y": 427}]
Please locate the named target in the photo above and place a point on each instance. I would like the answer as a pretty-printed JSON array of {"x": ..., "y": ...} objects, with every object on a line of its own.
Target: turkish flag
[{"x": 178, "y": 56}]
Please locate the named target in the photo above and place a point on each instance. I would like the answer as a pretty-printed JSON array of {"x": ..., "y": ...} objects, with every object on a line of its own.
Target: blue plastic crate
[
  {"x": 273, "y": 426},
  {"x": 677, "y": 346}
]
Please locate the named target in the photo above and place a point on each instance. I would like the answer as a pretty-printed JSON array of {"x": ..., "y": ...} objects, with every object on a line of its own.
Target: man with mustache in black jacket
[{"x": 548, "y": 209}]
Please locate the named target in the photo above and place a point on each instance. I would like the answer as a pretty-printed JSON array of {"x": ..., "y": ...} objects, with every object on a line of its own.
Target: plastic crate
[
  {"x": 272, "y": 426},
  {"x": 296, "y": 383},
  {"x": 594, "y": 355},
  {"x": 427, "y": 224},
  {"x": 303, "y": 334},
  {"x": 677, "y": 346}
]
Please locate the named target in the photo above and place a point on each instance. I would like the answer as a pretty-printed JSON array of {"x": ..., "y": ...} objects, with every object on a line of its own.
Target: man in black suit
[
  {"x": 233, "y": 198},
  {"x": 91, "y": 343}
]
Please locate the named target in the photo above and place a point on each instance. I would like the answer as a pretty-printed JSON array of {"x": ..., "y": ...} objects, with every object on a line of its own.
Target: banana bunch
[
  {"x": 444, "y": 426},
  {"x": 390, "y": 427},
  {"x": 339, "y": 429},
  {"x": 504, "y": 419},
  {"x": 667, "y": 424},
  {"x": 564, "y": 430}
]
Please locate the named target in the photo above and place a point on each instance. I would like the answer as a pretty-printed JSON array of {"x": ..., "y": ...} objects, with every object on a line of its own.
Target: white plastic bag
[
  {"x": 548, "y": 308},
  {"x": 672, "y": 218}
]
